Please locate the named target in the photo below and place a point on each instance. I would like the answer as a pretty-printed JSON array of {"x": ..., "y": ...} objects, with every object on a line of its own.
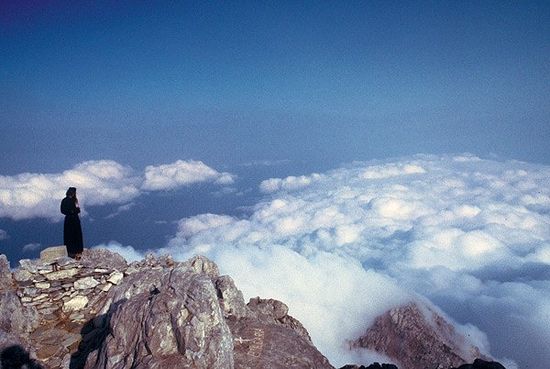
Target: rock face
[
  {"x": 100, "y": 312},
  {"x": 417, "y": 337},
  {"x": 5, "y": 273},
  {"x": 267, "y": 337},
  {"x": 162, "y": 318}
]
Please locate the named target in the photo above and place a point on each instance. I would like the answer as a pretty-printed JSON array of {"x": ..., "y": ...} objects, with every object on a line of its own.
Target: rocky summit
[
  {"x": 416, "y": 336},
  {"x": 101, "y": 312}
]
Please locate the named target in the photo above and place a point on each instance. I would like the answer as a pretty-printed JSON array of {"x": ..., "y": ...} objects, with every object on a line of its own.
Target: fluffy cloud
[
  {"x": 31, "y": 195},
  {"x": 128, "y": 252},
  {"x": 30, "y": 247},
  {"x": 182, "y": 173},
  {"x": 288, "y": 184},
  {"x": 470, "y": 235}
]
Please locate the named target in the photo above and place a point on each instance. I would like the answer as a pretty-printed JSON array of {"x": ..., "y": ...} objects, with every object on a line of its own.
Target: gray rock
[
  {"x": 29, "y": 265},
  {"x": 103, "y": 259},
  {"x": 260, "y": 344},
  {"x": 416, "y": 336},
  {"x": 22, "y": 275},
  {"x": 14, "y": 317},
  {"x": 201, "y": 264},
  {"x": 231, "y": 299},
  {"x": 276, "y": 312},
  {"x": 85, "y": 283},
  {"x": 75, "y": 304},
  {"x": 163, "y": 318},
  {"x": 6, "y": 281},
  {"x": 61, "y": 274},
  {"x": 267, "y": 337},
  {"x": 53, "y": 253},
  {"x": 154, "y": 313}
]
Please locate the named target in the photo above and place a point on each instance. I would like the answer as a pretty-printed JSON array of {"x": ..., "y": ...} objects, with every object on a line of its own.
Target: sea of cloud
[
  {"x": 99, "y": 182},
  {"x": 471, "y": 236}
]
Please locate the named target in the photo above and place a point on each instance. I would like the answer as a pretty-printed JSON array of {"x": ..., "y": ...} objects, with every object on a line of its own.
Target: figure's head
[{"x": 71, "y": 192}]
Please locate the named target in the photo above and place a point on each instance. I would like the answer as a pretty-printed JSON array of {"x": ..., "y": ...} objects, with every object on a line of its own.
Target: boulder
[
  {"x": 53, "y": 253},
  {"x": 160, "y": 318},
  {"x": 416, "y": 336}
]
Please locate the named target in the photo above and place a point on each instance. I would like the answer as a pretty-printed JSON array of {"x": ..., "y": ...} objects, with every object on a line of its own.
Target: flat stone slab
[{"x": 53, "y": 253}]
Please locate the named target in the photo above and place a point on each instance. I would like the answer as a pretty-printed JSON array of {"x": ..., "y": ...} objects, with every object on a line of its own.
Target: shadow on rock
[
  {"x": 93, "y": 333},
  {"x": 16, "y": 357}
]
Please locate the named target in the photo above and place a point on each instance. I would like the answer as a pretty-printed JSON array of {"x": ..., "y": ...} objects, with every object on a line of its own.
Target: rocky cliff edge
[{"x": 101, "y": 312}]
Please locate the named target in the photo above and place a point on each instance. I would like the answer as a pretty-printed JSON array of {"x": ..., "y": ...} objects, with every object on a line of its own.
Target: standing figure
[{"x": 72, "y": 232}]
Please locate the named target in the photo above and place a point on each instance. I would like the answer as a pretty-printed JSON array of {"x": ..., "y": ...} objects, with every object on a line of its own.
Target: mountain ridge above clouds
[{"x": 101, "y": 312}]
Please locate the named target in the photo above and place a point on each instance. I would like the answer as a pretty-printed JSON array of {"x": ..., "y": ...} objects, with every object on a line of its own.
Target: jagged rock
[
  {"x": 102, "y": 258},
  {"x": 6, "y": 282},
  {"x": 161, "y": 318},
  {"x": 187, "y": 316},
  {"x": 14, "y": 317},
  {"x": 101, "y": 312},
  {"x": 231, "y": 299},
  {"x": 201, "y": 264},
  {"x": 16, "y": 322},
  {"x": 415, "y": 336},
  {"x": 276, "y": 312},
  {"x": 267, "y": 337}
]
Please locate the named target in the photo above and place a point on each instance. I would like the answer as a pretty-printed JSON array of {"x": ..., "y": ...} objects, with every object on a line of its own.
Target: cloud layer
[
  {"x": 182, "y": 173},
  {"x": 470, "y": 235},
  {"x": 32, "y": 195}
]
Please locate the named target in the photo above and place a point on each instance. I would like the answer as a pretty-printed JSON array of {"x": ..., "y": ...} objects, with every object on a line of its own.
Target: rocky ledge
[{"x": 101, "y": 312}]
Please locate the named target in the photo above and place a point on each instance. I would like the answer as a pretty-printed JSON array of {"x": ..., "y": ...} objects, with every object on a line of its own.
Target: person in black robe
[{"x": 72, "y": 231}]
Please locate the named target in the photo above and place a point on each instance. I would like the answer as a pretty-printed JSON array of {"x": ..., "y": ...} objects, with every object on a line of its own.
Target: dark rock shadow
[
  {"x": 93, "y": 333},
  {"x": 16, "y": 357}
]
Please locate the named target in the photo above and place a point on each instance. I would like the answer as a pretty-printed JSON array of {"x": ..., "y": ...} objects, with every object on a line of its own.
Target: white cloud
[
  {"x": 30, "y": 247},
  {"x": 393, "y": 170},
  {"x": 128, "y": 252},
  {"x": 182, "y": 173},
  {"x": 31, "y": 195},
  {"x": 3, "y": 235},
  {"x": 289, "y": 183},
  {"x": 460, "y": 231}
]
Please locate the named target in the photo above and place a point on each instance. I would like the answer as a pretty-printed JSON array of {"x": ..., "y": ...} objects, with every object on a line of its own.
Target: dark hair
[{"x": 71, "y": 191}]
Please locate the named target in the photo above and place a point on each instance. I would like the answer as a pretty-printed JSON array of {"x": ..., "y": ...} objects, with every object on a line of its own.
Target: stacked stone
[{"x": 61, "y": 287}]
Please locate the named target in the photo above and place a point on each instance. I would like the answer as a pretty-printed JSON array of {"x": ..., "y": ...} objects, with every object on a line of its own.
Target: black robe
[{"x": 72, "y": 231}]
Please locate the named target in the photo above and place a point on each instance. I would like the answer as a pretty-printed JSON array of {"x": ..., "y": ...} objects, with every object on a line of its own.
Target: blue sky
[
  {"x": 393, "y": 144},
  {"x": 231, "y": 82}
]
